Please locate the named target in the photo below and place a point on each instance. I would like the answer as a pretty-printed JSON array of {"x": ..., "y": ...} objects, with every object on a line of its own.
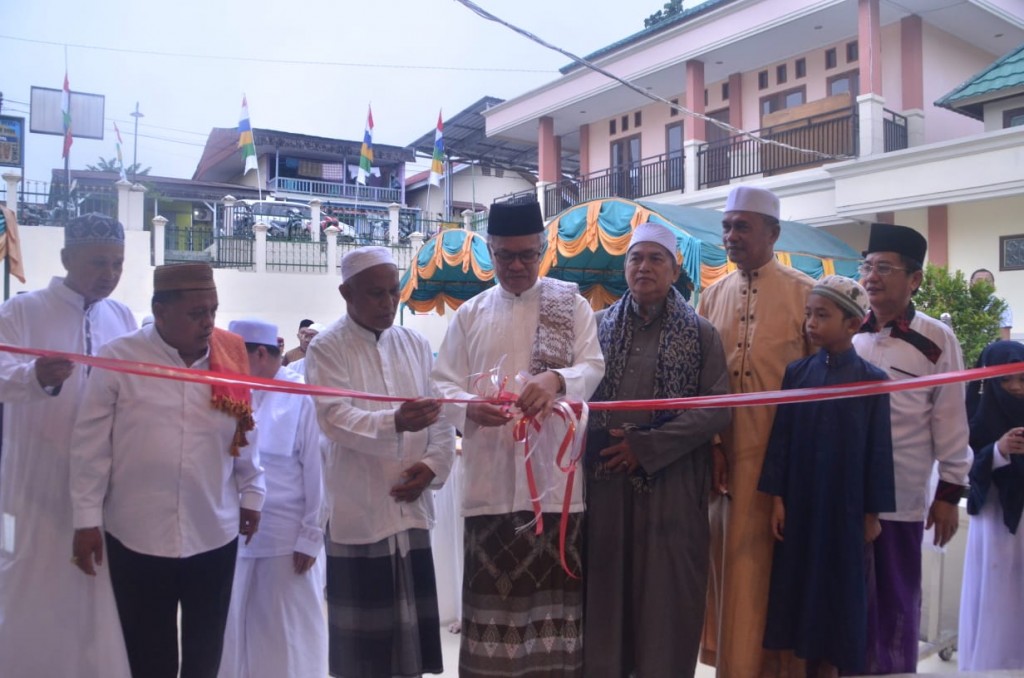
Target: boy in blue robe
[{"x": 829, "y": 469}]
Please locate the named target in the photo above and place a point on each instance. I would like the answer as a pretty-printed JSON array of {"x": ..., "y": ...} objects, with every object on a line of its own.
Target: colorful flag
[
  {"x": 65, "y": 109},
  {"x": 366, "y": 153},
  {"x": 120, "y": 159},
  {"x": 437, "y": 164},
  {"x": 245, "y": 141}
]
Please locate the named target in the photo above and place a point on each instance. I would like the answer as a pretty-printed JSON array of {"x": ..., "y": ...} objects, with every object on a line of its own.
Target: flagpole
[{"x": 65, "y": 213}]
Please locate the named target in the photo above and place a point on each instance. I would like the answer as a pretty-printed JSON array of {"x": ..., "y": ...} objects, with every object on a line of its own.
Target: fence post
[
  {"x": 393, "y": 210},
  {"x": 416, "y": 238},
  {"x": 12, "y": 179},
  {"x": 228, "y": 226},
  {"x": 332, "y": 232},
  {"x": 541, "y": 185},
  {"x": 314, "y": 219},
  {"x": 260, "y": 255},
  {"x": 870, "y": 114},
  {"x": 467, "y": 219},
  {"x": 915, "y": 127},
  {"x": 124, "y": 188},
  {"x": 691, "y": 165},
  {"x": 159, "y": 226},
  {"x": 136, "y": 217}
]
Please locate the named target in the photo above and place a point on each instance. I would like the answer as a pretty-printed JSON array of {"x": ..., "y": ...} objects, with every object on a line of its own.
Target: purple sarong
[{"x": 893, "y": 565}]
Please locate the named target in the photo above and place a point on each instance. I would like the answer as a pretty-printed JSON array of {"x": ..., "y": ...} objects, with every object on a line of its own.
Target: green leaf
[{"x": 974, "y": 309}]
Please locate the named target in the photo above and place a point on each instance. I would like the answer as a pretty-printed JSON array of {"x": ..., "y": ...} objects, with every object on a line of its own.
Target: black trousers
[{"x": 148, "y": 590}]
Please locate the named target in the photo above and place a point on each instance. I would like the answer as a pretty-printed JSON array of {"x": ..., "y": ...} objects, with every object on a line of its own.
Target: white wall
[
  {"x": 281, "y": 298},
  {"x": 470, "y": 185}
]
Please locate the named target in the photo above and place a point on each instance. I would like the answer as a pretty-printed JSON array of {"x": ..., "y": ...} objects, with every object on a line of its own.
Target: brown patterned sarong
[{"x": 521, "y": 613}]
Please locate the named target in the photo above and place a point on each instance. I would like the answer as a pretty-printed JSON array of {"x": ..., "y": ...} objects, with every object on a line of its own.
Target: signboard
[
  {"x": 86, "y": 113},
  {"x": 12, "y": 141}
]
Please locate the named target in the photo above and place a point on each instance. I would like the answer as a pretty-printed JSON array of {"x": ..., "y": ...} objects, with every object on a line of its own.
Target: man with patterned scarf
[
  {"x": 521, "y": 611},
  {"x": 649, "y": 472}
]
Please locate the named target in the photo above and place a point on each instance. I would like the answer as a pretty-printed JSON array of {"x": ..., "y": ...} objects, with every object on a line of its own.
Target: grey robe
[{"x": 646, "y": 562}]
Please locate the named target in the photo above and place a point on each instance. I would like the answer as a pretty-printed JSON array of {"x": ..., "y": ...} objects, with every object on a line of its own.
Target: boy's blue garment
[{"x": 831, "y": 462}]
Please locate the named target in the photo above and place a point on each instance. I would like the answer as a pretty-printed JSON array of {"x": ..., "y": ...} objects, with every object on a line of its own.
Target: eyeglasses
[
  {"x": 526, "y": 256},
  {"x": 883, "y": 269}
]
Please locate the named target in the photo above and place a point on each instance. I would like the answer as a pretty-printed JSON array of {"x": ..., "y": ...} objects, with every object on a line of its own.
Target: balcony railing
[
  {"x": 335, "y": 190},
  {"x": 831, "y": 134},
  {"x": 894, "y": 129}
]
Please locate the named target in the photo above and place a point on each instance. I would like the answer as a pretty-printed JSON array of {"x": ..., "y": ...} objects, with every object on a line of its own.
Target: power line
[{"x": 265, "y": 60}]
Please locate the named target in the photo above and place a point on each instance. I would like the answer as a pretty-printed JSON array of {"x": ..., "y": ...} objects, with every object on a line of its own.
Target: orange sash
[{"x": 228, "y": 356}]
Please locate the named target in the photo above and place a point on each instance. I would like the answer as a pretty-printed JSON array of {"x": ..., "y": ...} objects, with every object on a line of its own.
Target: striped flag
[
  {"x": 120, "y": 159},
  {"x": 65, "y": 110},
  {"x": 437, "y": 164},
  {"x": 366, "y": 153},
  {"x": 245, "y": 141}
]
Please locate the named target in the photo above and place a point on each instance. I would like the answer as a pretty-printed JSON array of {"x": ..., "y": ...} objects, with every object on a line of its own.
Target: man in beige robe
[{"x": 759, "y": 312}]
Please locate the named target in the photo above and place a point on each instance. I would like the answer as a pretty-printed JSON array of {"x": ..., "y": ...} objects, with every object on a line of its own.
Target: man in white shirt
[
  {"x": 164, "y": 467},
  {"x": 53, "y": 621},
  {"x": 929, "y": 426},
  {"x": 306, "y": 334},
  {"x": 276, "y": 626},
  {"x": 380, "y": 460},
  {"x": 541, "y": 335}
]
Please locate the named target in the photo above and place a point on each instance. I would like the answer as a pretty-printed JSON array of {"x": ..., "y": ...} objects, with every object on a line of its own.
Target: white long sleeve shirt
[
  {"x": 499, "y": 326},
  {"x": 365, "y": 455},
  {"x": 929, "y": 426},
  {"x": 289, "y": 446},
  {"x": 150, "y": 458}
]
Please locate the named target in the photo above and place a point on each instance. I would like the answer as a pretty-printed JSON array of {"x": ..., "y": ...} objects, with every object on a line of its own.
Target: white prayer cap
[
  {"x": 254, "y": 331},
  {"x": 657, "y": 233},
  {"x": 750, "y": 199},
  {"x": 360, "y": 259},
  {"x": 317, "y": 327}
]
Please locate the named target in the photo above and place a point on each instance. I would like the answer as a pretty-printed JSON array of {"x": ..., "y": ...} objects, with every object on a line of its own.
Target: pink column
[
  {"x": 869, "y": 38},
  {"x": 912, "y": 61},
  {"x": 885, "y": 218},
  {"x": 558, "y": 158},
  {"x": 693, "y": 130},
  {"x": 547, "y": 150},
  {"x": 736, "y": 100},
  {"x": 584, "y": 149},
  {"x": 938, "y": 235}
]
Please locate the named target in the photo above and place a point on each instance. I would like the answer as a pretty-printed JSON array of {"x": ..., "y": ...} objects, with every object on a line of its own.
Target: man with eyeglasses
[
  {"x": 759, "y": 312},
  {"x": 536, "y": 338},
  {"x": 929, "y": 426},
  {"x": 53, "y": 621}
]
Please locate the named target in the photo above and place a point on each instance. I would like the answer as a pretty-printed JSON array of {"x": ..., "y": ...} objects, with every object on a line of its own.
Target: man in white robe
[
  {"x": 276, "y": 626},
  {"x": 540, "y": 333},
  {"x": 54, "y": 621},
  {"x": 381, "y": 459}
]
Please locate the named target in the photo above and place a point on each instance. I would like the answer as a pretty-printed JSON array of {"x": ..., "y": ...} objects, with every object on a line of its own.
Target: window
[
  {"x": 725, "y": 91},
  {"x": 674, "y": 152},
  {"x": 1011, "y": 252},
  {"x": 624, "y": 123},
  {"x": 800, "y": 67},
  {"x": 762, "y": 80},
  {"x": 783, "y": 100},
  {"x": 843, "y": 83},
  {"x": 637, "y": 119},
  {"x": 830, "y": 58},
  {"x": 672, "y": 111},
  {"x": 1013, "y": 118},
  {"x": 851, "y": 52},
  {"x": 780, "y": 74},
  {"x": 611, "y": 127}
]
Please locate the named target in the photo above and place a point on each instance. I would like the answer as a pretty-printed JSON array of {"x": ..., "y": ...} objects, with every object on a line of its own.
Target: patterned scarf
[
  {"x": 228, "y": 355},
  {"x": 901, "y": 330},
  {"x": 679, "y": 354},
  {"x": 556, "y": 330}
]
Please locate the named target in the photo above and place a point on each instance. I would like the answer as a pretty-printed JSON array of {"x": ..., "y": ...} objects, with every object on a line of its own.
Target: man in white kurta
[
  {"x": 164, "y": 479},
  {"x": 54, "y": 621},
  {"x": 518, "y": 592},
  {"x": 380, "y": 460},
  {"x": 276, "y": 626}
]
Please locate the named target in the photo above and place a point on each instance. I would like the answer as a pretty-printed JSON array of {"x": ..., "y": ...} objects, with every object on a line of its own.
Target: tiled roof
[{"x": 1002, "y": 77}]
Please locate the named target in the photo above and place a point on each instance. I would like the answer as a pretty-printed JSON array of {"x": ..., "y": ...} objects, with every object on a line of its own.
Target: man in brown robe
[
  {"x": 759, "y": 311},
  {"x": 648, "y": 474}
]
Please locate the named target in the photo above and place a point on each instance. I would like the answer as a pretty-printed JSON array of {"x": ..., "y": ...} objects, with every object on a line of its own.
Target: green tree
[
  {"x": 671, "y": 8},
  {"x": 975, "y": 313},
  {"x": 112, "y": 165}
]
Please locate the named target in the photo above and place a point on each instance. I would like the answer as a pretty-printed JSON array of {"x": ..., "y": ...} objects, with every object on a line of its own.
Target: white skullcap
[
  {"x": 254, "y": 331},
  {"x": 362, "y": 258},
  {"x": 750, "y": 199},
  {"x": 317, "y": 327},
  {"x": 656, "y": 233}
]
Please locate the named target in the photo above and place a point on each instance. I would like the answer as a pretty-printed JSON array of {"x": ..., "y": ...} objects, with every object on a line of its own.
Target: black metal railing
[
  {"x": 894, "y": 129},
  {"x": 817, "y": 139},
  {"x": 650, "y": 176},
  {"x": 529, "y": 195}
]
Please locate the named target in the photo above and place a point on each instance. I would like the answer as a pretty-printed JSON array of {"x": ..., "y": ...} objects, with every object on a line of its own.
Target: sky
[{"x": 188, "y": 62}]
